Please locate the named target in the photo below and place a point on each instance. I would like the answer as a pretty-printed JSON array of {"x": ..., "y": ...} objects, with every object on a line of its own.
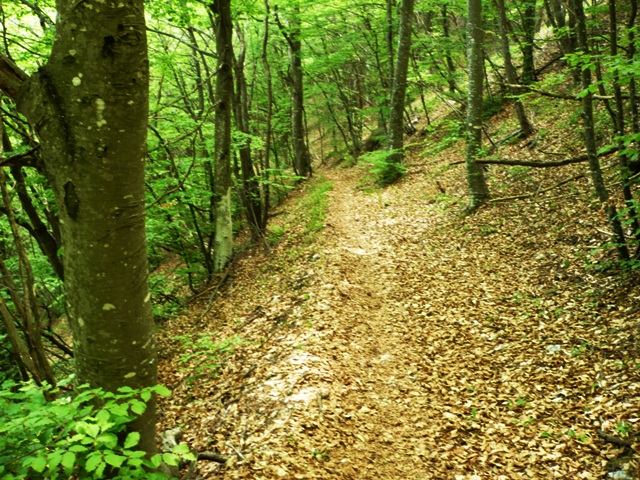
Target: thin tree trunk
[
  {"x": 250, "y": 186},
  {"x": 620, "y": 121},
  {"x": 510, "y": 71},
  {"x": 590, "y": 137},
  {"x": 478, "y": 191},
  {"x": 399, "y": 89},
  {"x": 268, "y": 133}
]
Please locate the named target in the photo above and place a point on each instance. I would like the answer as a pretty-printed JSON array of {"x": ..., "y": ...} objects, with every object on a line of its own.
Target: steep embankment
[{"x": 405, "y": 342}]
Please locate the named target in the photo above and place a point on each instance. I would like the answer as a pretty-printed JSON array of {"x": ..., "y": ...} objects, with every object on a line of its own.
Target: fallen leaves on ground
[{"x": 404, "y": 341}]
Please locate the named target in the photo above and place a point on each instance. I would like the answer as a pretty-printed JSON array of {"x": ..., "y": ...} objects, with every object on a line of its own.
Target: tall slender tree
[
  {"x": 292, "y": 34},
  {"x": 399, "y": 89},
  {"x": 478, "y": 191},
  {"x": 224, "y": 103},
  {"x": 590, "y": 136},
  {"x": 526, "y": 128}
]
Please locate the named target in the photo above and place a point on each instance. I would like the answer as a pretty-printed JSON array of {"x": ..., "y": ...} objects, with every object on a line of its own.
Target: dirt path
[{"x": 415, "y": 345}]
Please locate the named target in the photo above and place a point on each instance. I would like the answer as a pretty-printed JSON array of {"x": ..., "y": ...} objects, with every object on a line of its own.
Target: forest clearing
[{"x": 279, "y": 239}]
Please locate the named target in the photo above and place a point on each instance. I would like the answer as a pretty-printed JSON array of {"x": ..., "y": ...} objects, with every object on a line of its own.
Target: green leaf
[
  {"x": 114, "y": 460},
  {"x": 138, "y": 407},
  {"x": 109, "y": 440},
  {"x": 132, "y": 440},
  {"x": 156, "y": 460},
  {"x": 39, "y": 464},
  {"x": 171, "y": 459},
  {"x": 162, "y": 390},
  {"x": 78, "y": 448},
  {"x": 181, "y": 449},
  {"x": 54, "y": 459},
  {"x": 93, "y": 461},
  {"x": 90, "y": 429},
  {"x": 68, "y": 460}
]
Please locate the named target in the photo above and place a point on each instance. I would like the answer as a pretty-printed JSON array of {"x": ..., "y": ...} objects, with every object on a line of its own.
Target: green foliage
[
  {"x": 315, "y": 204},
  {"x": 491, "y": 106},
  {"x": 8, "y": 368},
  {"x": 81, "y": 435},
  {"x": 208, "y": 351},
  {"x": 384, "y": 171}
]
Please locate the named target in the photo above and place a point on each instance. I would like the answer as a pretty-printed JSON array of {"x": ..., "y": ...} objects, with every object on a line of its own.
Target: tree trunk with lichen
[
  {"x": 89, "y": 107},
  {"x": 224, "y": 103}
]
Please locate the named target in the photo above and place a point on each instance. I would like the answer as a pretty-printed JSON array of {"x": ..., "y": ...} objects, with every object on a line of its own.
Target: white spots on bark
[
  {"x": 76, "y": 81},
  {"x": 72, "y": 52},
  {"x": 130, "y": 102},
  {"x": 130, "y": 375},
  {"x": 80, "y": 322},
  {"x": 108, "y": 306},
  {"x": 147, "y": 298},
  {"x": 100, "y": 106},
  {"x": 106, "y": 245}
]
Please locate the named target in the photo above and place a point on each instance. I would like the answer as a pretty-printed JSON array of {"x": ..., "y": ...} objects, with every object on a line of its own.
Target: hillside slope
[{"x": 403, "y": 341}]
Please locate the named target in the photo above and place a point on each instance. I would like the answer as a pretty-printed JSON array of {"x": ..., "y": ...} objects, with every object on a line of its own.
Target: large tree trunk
[
  {"x": 224, "y": 99},
  {"x": 89, "y": 106},
  {"x": 590, "y": 137},
  {"x": 478, "y": 191},
  {"x": 399, "y": 88}
]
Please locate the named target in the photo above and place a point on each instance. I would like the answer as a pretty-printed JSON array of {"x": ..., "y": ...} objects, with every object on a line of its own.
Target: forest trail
[{"x": 410, "y": 344}]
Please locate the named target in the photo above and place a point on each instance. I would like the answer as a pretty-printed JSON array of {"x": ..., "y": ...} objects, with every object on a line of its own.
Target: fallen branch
[
  {"x": 529, "y": 195},
  {"x": 537, "y": 163},
  {"x": 212, "y": 457},
  {"x": 620, "y": 442},
  {"x": 562, "y": 96}
]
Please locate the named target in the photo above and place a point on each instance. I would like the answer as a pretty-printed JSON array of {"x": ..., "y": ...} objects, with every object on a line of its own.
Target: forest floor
[{"x": 399, "y": 340}]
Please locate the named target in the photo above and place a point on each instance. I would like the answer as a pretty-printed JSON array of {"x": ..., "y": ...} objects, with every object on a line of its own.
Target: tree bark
[
  {"x": 224, "y": 101},
  {"x": 590, "y": 137},
  {"x": 478, "y": 191},
  {"x": 510, "y": 71},
  {"x": 89, "y": 106},
  {"x": 250, "y": 194},
  {"x": 399, "y": 87}
]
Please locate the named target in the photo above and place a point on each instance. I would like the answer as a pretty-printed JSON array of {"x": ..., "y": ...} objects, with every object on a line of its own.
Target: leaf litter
[{"x": 403, "y": 341}]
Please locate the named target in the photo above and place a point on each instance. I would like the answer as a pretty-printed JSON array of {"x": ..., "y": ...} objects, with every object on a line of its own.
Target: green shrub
[
  {"x": 75, "y": 436},
  {"x": 384, "y": 170}
]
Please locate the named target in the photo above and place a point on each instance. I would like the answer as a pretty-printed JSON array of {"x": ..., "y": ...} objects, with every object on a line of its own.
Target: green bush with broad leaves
[{"x": 79, "y": 435}]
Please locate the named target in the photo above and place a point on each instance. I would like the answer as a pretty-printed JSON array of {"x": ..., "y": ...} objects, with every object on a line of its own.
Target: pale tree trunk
[
  {"x": 224, "y": 98},
  {"x": 590, "y": 138},
  {"x": 478, "y": 191},
  {"x": 399, "y": 87},
  {"x": 89, "y": 106},
  {"x": 510, "y": 71}
]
